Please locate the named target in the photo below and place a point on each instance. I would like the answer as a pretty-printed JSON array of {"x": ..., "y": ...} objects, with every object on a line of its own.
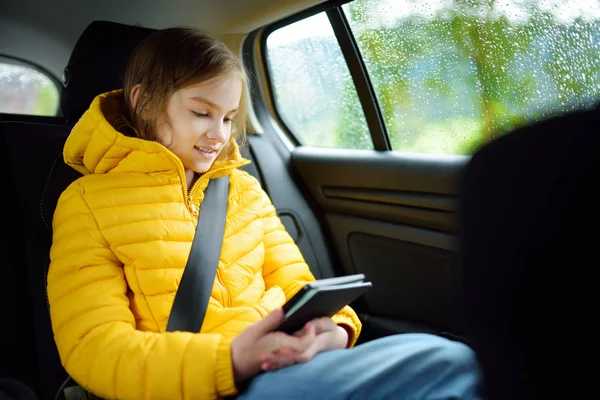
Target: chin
[{"x": 201, "y": 168}]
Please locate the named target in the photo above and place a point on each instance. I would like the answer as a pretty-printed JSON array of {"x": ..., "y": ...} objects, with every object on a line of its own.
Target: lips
[
  {"x": 208, "y": 153},
  {"x": 206, "y": 150}
]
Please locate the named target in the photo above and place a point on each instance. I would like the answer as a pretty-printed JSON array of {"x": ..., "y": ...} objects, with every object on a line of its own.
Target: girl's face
[{"x": 200, "y": 119}]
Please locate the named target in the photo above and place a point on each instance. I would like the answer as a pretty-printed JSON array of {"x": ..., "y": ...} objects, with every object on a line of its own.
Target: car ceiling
[{"x": 45, "y": 31}]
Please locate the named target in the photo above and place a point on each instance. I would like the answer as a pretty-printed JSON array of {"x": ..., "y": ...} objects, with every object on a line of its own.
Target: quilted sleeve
[
  {"x": 95, "y": 331},
  {"x": 285, "y": 267}
]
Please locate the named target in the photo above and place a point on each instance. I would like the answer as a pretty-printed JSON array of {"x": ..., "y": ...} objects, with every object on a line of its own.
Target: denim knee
[{"x": 456, "y": 356}]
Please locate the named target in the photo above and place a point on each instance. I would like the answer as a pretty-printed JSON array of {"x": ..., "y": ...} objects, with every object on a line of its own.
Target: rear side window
[
  {"x": 451, "y": 75},
  {"x": 448, "y": 75},
  {"x": 312, "y": 87},
  {"x": 26, "y": 90}
]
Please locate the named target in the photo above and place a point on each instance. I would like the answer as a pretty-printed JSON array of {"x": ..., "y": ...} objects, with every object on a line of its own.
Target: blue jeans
[{"x": 404, "y": 367}]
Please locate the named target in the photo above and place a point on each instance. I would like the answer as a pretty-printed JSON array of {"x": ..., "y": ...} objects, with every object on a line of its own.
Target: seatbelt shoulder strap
[{"x": 198, "y": 277}]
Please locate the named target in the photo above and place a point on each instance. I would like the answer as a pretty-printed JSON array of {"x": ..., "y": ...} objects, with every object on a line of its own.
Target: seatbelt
[{"x": 196, "y": 284}]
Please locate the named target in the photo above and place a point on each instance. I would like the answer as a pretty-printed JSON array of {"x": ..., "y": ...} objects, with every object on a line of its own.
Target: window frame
[
  {"x": 12, "y": 60},
  {"x": 356, "y": 66}
]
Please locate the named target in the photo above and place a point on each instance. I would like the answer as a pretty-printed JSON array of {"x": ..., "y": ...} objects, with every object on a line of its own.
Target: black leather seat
[
  {"x": 17, "y": 352},
  {"x": 37, "y": 178},
  {"x": 529, "y": 246},
  {"x": 20, "y": 355}
]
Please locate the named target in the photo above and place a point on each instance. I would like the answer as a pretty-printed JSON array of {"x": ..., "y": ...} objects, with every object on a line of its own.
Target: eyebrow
[{"x": 210, "y": 103}]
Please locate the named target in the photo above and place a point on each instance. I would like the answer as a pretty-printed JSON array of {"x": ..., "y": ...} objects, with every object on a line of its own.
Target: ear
[{"x": 135, "y": 93}]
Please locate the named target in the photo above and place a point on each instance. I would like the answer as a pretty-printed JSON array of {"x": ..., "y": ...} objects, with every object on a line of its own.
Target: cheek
[
  {"x": 165, "y": 137},
  {"x": 177, "y": 134},
  {"x": 164, "y": 134}
]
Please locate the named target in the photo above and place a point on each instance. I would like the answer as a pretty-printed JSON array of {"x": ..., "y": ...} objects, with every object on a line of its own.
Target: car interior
[{"x": 354, "y": 200}]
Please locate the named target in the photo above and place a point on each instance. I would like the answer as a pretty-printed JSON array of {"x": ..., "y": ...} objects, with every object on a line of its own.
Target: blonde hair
[{"x": 166, "y": 61}]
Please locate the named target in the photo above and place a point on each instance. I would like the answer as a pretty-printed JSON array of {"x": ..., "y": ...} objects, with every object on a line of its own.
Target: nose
[{"x": 218, "y": 131}]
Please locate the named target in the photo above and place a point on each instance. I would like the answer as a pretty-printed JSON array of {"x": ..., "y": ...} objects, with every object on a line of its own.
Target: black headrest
[
  {"x": 529, "y": 210},
  {"x": 97, "y": 64}
]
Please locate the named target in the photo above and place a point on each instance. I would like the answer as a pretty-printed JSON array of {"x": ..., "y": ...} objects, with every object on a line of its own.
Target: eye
[
  {"x": 228, "y": 120},
  {"x": 199, "y": 114}
]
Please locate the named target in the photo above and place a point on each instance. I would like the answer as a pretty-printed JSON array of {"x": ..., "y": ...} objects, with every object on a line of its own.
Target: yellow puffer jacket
[{"x": 122, "y": 235}]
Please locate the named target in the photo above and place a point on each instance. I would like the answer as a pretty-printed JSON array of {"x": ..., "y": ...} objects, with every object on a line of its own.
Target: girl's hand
[{"x": 328, "y": 336}]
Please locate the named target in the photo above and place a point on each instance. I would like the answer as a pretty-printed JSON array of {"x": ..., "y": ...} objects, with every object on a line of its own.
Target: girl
[{"x": 123, "y": 232}]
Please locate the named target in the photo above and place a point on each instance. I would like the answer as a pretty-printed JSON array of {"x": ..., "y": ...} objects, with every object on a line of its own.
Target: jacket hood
[{"x": 94, "y": 146}]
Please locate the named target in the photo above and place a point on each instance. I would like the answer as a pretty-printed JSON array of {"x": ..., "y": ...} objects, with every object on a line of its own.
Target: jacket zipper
[
  {"x": 188, "y": 199},
  {"x": 188, "y": 195}
]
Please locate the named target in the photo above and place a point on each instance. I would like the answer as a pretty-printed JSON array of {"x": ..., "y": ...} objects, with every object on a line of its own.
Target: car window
[
  {"x": 26, "y": 90},
  {"x": 313, "y": 90},
  {"x": 452, "y": 74}
]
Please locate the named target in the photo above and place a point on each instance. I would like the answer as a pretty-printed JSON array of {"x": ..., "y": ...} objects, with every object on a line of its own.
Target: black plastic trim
[{"x": 358, "y": 71}]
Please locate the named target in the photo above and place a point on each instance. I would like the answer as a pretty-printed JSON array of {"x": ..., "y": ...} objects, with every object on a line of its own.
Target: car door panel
[{"x": 391, "y": 216}]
